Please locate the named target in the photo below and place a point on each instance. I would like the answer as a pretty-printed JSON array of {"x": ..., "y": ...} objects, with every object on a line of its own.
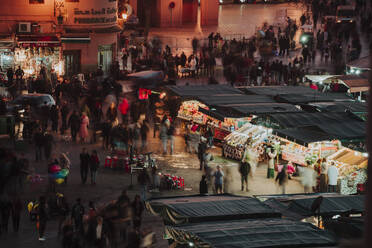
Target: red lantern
[{"x": 172, "y": 5}]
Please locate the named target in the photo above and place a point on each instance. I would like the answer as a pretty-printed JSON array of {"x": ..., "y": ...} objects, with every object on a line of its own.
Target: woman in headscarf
[{"x": 84, "y": 123}]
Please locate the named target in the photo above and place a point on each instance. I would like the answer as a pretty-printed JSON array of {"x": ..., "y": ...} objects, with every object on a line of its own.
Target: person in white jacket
[{"x": 270, "y": 168}]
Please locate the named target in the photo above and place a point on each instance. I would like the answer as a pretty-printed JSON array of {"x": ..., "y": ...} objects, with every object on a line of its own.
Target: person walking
[
  {"x": 84, "y": 165},
  {"x": 65, "y": 163},
  {"x": 163, "y": 133},
  {"x": 94, "y": 165},
  {"x": 271, "y": 166},
  {"x": 137, "y": 210},
  {"x": 308, "y": 178},
  {"x": 244, "y": 170},
  {"x": 143, "y": 180},
  {"x": 42, "y": 217},
  {"x": 136, "y": 136},
  {"x": 282, "y": 178},
  {"x": 74, "y": 124},
  {"x": 332, "y": 178},
  {"x": 54, "y": 116},
  {"x": 48, "y": 145},
  {"x": 16, "y": 213},
  {"x": 202, "y": 149},
  {"x": 6, "y": 208},
  {"x": 144, "y": 130},
  {"x": 39, "y": 143},
  {"x": 323, "y": 175},
  {"x": 84, "y": 123},
  {"x": 218, "y": 180},
  {"x": 77, "y": 213},
  {"x": 64, "y": 113},
  {"x": 170, "y": 134}
]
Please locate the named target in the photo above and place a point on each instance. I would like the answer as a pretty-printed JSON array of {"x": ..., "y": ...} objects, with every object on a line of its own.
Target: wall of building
[
  {"x": 209, "y": 12},
  {"x": 92, "y": 13},
  {"x": 170, "y": 17},
  {"x": 14, "y": 11}
]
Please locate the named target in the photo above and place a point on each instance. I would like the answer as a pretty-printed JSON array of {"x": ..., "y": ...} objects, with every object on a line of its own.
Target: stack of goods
[
  {"x": 189, "y": 110},
  {"x": 249, "y": 136},
  {"x": 170, "y": 182}
]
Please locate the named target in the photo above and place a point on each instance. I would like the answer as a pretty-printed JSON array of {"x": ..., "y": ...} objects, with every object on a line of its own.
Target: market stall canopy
[
  {"x": 186, "y": 209},
  {"x": 355, "y": 83},
  {"x": 193, "y": 91},
  {"x": 314, "y": 96},
  {"x": 264, "y": 108},
  {"x": 6, "y": 41},
  {"x": 223, "y": 100},
  {"x": 361, "y": 63},
  {"x": 276, "y": 90},
  {"x": 352, "y": 106},
  {"x": 338, "y": 125},
  {"x": 148, "y": 79},
  {"x": 303, "y": 135},
  {"x": 298, "y": 206},
  {"x": 38, "y": 41},
  {"x": 350, "y": 157},
  {"x": 251, "y": 234}
]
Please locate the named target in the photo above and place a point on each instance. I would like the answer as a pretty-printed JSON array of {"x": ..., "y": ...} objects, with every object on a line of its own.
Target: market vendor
[{"x": 270, "y": 168}]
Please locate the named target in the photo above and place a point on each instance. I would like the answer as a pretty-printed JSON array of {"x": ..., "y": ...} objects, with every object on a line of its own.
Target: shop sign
[
  {"x": 93, "y": 13},
  {"x": 40, "y": 44}
]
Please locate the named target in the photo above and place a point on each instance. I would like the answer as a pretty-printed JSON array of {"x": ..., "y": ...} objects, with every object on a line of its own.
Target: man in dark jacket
[
  {"x": 84, "y": 165},
  {"x": 42, "y": 216},
  {"x": 38, "y": 141},
  {"x": 244, "y": 170},
  {"x": 74, "y": 124}
]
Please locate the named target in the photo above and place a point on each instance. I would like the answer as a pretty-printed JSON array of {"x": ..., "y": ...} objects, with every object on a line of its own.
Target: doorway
[
  {"x": 72, "y": 62},
  {"x": 189, "y": 11},
  {"x": 105, "y": 57}
]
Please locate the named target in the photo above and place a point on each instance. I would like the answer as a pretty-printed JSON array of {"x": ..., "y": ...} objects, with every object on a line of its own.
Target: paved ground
[{"x": 110, "y": 183}]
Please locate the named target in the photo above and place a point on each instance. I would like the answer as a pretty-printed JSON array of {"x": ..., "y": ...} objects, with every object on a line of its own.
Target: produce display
[
  {"x": 352, "y": 166},
  {"x": 253, "y": 136},
  {"x": 189, "y": 110}
]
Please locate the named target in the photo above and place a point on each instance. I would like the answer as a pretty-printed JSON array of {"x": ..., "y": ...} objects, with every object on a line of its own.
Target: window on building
[
  {"x": 36, "y": 1},
  {"x": 72, "y": 1}
]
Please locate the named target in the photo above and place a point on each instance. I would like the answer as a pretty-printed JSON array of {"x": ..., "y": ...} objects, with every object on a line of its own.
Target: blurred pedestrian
[
  {"x": 94, "y": 165},
  {"x": 202, "y": 149},
  {"x": 74, "y": 124},
  {"x": 6, "y": 208},
  {"x": 77, "y": 213},
  {"x": 163, "y": 133},
  {"x": 48, "y": 145},
  {"x": 203, "y": 185},
  {"x": 84, "y": 165},
  {"x": 244, "y": 170},
  {"x": 143, "y": 180},
  {"x": 65, "y": 163},
  {"x": 218, "y": 180},
  {"x": 54, "y": 116},
  {"x": 282, "y": 179},
  {"x": 144, "y": 130},
  {"x": 137, "y": 210},
  {"x": 64, "y": 113},
  {"x": 84, "y": 123},
  {"x": 39, "y": 143},
  {"x": 323, "y": 175},
  {"x": 308, "y": 177},
  {"x": 16, "y": 213},
  {"x": 42, "y": 217},
  {"x": 332, "y": 178}
]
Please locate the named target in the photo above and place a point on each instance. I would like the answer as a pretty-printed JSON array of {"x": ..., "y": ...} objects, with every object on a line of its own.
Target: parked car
[{"x": 35, "y": 102}]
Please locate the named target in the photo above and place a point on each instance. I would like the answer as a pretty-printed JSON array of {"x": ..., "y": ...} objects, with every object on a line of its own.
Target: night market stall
[
  {"x": 249, "y": 137},
  {"x": 197, "y": 208},
  {"x": 352, "y": 169},
  {"x": 250, "y": 233}
]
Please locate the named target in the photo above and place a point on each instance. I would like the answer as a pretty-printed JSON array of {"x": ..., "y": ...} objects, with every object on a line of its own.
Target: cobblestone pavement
[{"x": 110, "y": 183}]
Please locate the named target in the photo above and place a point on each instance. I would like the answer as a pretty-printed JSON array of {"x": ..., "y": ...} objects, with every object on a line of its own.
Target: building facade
[
  {"x": 67, "y": 36},
  {"x": 175, "y": 13}
]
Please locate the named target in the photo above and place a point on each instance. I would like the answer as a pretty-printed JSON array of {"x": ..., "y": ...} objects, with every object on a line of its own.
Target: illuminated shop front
[{"x": 34, "y": 52}]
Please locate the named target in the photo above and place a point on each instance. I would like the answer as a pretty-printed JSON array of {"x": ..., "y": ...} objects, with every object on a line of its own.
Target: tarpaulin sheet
[
  {"x": 179, "y": 210},
  {"x": 315, "y": 96},
  {"x": 223, "y": 100},
  {"x": 330, "y": 205},
  {"x": 357, "y": 107},
  {"x": 340, "y": 125},
  {"x": 277, "y": 90},
  {"x": 265, "y": 108},
  {"x": 303, "y": 136},
  {"x": 203, "y": 90},
  {"x": 251, "y": 234}
]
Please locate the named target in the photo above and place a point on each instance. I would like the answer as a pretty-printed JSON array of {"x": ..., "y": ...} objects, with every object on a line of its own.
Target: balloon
[
  {"x": 55, "y": 168},
  {"x": 59, "y": 175},
  {"x": 59, "y": 180},
  {"x": 64, "y": 172}
]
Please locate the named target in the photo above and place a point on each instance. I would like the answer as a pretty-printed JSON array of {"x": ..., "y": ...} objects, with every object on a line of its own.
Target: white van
[{"x": 345, "y": 14}]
